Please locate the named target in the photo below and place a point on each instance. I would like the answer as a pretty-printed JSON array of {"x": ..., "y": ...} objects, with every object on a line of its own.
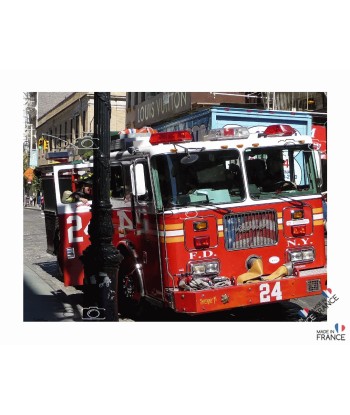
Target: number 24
[
  {"x": 75, "y": 228},
  {"x": 265, "y": 295}
]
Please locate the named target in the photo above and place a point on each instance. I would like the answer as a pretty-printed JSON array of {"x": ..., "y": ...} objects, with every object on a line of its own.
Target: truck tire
[{"x": 129, "y": 292}]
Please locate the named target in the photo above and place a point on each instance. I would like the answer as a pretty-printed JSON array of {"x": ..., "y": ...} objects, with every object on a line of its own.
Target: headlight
[
  {"x": 205, "y": 268},
  {"x": 295, "y": 256},
  {"x": 308, "y": 255},
  {"x": 303, "y": 255},
  {"x": 197, "y": 269}
]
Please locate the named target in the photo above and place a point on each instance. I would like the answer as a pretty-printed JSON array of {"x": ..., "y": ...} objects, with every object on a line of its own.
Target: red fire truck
[{"x": 229, "y": 221}]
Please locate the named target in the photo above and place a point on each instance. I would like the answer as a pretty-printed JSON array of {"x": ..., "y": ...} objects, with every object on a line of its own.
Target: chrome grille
[
  {"x": 313, "y": 285},
  {"x": 250, "y": 229}
]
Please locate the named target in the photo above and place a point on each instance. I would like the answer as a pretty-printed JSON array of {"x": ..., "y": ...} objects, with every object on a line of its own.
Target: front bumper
[{"x": 262, "y": 292}]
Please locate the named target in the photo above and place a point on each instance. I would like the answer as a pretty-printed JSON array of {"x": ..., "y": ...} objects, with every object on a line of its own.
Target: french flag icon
[
  {"x": 339, "y": 327},
  {"x": 304, "y": 312},
  {"x": 327, "y": 293}
]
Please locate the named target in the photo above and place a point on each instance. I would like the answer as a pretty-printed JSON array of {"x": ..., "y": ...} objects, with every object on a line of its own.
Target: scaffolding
[
  {"x": 284, "y": 101},
  {"x": 295, "y": 101}
]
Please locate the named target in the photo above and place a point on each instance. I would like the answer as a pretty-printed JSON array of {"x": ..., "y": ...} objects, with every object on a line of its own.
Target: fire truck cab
[{"x": 229, "y": 221}]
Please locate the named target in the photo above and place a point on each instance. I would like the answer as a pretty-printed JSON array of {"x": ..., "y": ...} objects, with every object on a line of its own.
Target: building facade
[
  {"x": 153, "y": 108},
  {"x": 65, "y": 117}
]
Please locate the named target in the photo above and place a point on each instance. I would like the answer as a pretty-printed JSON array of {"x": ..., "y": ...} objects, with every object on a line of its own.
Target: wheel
[
  {"x": 285, "y": 185},
  {"x": 129, "y": 290}
]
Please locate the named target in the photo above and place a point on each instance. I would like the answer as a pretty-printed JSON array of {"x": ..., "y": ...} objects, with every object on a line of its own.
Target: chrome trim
[{"x": 250, "y": 229}]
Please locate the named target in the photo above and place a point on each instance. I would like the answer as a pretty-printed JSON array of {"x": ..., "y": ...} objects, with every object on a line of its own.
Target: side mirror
[
  {"x": 138, "y": 182},
  {"x": 319, "y": 180}
]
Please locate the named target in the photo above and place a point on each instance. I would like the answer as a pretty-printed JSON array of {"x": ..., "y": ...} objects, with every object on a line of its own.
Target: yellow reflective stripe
[
  {"x": 279, "y": 214},
  {"x": 318, "y": 222},
  {"x": 317, "y": 210},
  {"x": 171, "y": 227},
  {"x": 171, "y": 239}
]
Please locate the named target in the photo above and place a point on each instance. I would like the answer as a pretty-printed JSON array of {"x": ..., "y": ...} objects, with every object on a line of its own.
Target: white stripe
[
  {"x": 247, "y": 202},
  {"x": 318, "y": 216},
  {"x": 171, "y": 233}
]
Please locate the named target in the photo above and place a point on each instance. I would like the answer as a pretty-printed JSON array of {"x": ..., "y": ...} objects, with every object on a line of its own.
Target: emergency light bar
[
  {"x": 279, "y": 130},
  {"x": 170, "y": 137},
  {"x": 228, "y": 133}
]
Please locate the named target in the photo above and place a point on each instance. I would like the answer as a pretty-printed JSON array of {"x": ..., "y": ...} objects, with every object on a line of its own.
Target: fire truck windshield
[
  {"x": 217, "y": 176},
  {"x": 214, "y": 178},
  {"x": 288, "y": 171}
]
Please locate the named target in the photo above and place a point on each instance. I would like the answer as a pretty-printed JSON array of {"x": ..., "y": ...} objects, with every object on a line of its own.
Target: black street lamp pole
[{"x": 101, "y": 259}]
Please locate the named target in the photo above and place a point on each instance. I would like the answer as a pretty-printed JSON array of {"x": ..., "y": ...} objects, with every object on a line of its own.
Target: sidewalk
[
  {"x": 43, "y": 303},
  {"x": 37, "y": 208},
  {"x": 45, "y": 297}
]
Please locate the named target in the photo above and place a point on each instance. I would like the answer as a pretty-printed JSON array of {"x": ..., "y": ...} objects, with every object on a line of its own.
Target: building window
[
  {"x": 77, "y": 126},
  {"x": 71, "y": 130},
  {"x": 84, "y": 122},
  {"x": 134, "y": 99},
  {"x": 128, "y": 100},
  {"x": 50, "y": 138}
]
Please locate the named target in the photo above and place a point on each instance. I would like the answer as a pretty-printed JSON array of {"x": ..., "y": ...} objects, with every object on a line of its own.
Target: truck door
[
  {"x": 73, "y": 218},
  {"x": 146, "y": 227}
]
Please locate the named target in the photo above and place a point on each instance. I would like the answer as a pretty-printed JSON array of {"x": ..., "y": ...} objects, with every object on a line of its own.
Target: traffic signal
[
  {"x": 46, "y": 145},
  {"x": 40, "y": 143}
]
